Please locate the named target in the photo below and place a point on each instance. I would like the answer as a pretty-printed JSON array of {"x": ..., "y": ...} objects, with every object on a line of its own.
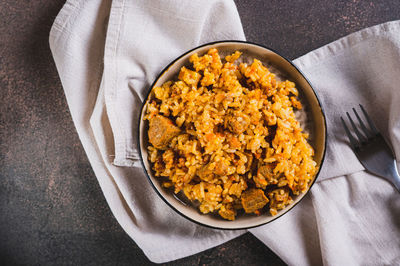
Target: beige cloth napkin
[
  {"x": 350, "y": 217},
  {"x": 108, "y": 52}
]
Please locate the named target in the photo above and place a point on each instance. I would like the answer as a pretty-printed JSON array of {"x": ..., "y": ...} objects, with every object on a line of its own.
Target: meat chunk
[
  {"x": 280, "y": 198},
  {"x": 265, "y": 176},
  {"x": 227, "y": 212},
  {"x": 208, "y": 171},
  {"x": 266, "y": 171},
  {"x": 253, "y": 200},
  {"x": 161, "y": 131}
]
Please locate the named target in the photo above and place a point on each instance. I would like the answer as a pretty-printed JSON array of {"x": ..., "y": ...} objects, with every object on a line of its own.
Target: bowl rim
[{"x": 165, "y": 69}]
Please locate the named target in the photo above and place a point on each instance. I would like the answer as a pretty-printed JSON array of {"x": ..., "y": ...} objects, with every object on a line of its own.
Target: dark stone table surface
[{"x": 52, "y": 211}]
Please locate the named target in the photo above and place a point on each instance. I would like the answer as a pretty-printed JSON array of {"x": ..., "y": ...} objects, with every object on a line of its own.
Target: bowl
[{"x": 314, "y": 117}]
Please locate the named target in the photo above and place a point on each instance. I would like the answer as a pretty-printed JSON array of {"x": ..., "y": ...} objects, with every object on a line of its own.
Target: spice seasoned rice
[{"x": 226, "y": 135}]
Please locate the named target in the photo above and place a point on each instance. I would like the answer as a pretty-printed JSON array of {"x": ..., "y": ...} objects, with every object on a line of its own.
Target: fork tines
[{"x": 367, "y": 133}]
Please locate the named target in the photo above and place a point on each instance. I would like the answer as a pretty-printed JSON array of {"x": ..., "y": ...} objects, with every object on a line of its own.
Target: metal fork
[{"x": 372, "y": 150}]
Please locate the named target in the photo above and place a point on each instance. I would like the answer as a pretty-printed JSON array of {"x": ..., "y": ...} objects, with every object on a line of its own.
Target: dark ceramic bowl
[{"x": 315, "y": 121}]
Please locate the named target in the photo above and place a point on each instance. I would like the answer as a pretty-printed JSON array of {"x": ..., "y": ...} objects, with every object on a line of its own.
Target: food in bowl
[{"x": 226, "y": 135}]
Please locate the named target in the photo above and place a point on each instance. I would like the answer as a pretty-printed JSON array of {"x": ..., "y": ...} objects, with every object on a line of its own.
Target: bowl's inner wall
[{"x": 271, "y": 59}]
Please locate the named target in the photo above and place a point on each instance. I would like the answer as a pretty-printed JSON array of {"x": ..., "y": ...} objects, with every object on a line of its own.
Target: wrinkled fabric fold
[
  {"x": 143, "y": 37},
  {"x": 349, "y": 217},
  {"x": 82, "y": 40},
  {"x": 107, "y": 54}
]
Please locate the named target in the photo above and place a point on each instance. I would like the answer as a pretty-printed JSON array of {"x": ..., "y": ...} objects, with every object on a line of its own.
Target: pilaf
[{"x": 226, "y": 135}]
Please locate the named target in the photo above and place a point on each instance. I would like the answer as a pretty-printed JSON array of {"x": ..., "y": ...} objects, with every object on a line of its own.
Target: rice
[{"x": 235, "y": 133}]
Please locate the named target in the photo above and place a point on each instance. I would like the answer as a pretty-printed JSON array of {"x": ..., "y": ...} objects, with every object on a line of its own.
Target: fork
[{"x": 371, "y": 149}]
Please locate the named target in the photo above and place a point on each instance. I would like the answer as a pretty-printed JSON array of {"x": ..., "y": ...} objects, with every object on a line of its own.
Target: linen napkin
[
  {"x": 133, "y": 40},
  {"x": 107, "y": 53},
  {"x": 350, "y": 217}
]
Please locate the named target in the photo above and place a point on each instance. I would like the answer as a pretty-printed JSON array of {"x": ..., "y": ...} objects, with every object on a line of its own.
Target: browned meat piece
[
  {"x": 266, "y": 176},
  {"x": 205, "y": 173},
  {"x": 253, "y": 200},
  {"x": 161, "y": 131},
  {"x": 227, "y": 212},
  {"x": 237, "y": 124},
  {"x": 266, "y": 171},
  {"x": 280, "y": 198}
]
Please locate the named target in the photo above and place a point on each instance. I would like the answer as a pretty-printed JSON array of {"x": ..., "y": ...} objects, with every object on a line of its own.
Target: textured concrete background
[{"x": 52, "y": 211}]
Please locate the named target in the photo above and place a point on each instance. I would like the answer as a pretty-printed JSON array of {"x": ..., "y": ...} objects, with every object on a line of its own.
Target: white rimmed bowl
[{"x": 314, "y": 117}]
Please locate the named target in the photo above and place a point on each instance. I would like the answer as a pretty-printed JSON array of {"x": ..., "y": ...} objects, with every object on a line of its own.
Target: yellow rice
[{"x": 204, "y": 103}]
